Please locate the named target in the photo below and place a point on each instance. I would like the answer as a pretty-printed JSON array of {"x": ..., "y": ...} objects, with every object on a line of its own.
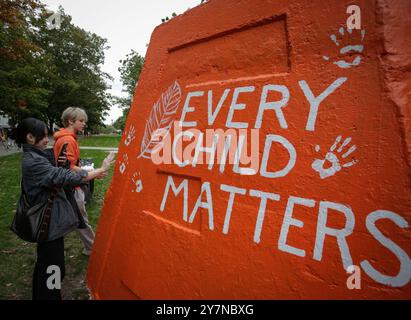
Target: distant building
[{"x": 4, "y": 122}]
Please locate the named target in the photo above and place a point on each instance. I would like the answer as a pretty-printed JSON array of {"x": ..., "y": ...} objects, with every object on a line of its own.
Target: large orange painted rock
[{"x": 266, "y": 156}]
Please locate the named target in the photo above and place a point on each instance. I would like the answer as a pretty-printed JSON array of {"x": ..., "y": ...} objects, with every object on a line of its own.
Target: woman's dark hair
[{"x": 29, "y": 125}]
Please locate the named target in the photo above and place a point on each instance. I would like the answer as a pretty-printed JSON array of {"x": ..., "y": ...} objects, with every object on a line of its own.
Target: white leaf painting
[{"x": 161, "y": 118}]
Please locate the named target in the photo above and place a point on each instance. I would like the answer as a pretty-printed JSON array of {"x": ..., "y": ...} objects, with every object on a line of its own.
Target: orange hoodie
[{"x": 73, "y": 149}]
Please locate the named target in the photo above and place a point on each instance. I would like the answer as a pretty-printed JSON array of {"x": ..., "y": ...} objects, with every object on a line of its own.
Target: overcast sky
[{"x": 126, "y": 24}]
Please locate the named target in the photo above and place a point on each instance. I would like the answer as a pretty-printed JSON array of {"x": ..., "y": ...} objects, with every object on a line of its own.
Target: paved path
[
  {"x": 6, "y": 152},
  {"x": 101, "y": 148},
  {"x": 14, "y": 149}
]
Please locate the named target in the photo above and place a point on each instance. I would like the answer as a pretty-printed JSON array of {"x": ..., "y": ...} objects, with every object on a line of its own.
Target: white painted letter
[
  {"x": 223, "y": 158},
  {"x": 206, "y": 205},
  {"x": 404, "y": 275},
  {"x": 210, "y": 150},
  {"x": 340, "y": 234},
  {"x": 176, "y": 191},
  {"x": 290, "y": 221},
  {"x": 270, "y": 138},
  {"x": 261, "y": 211},
  {"x": 315, "y": 101},
  {"x": 211, "y": 115},
  {"x": 241, "y": 154},
  {"x": 233, "y": 191},
  {"x": 237, "y": 106},
  {"x": 188, "y": 109},
  {"x": 277, "y": 105},
  {"x": 177, "y": 137}
]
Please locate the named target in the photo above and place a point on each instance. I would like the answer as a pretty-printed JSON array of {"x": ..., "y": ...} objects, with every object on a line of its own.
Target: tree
[
  {"x": 21, "y": 66},
  {"x": 43, "y": 70},
  {"x": 120, "y": 123},
  {"x": 76, "y": 78},
  {"x": 106, "y": 129},
  {"x": 130, "y": 70}
]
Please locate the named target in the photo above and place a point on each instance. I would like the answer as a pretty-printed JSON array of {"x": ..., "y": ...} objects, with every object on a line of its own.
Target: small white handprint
[
  {"x": 123, "y": 164},
  {"x": 138, "y": 184},
  {"x": 345, "y": 53},
  {"x": 326, "y": 169},
  {"x": 131, "y": 136}
]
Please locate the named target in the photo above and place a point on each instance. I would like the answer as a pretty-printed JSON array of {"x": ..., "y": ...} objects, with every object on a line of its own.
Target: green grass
[
  {"x": 100, "y": 141},
  {"x": 17, "y": 257}
]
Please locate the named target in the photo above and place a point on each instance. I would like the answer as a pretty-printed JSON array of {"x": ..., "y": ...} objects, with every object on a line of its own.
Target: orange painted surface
[{"x": 310, "y": 208}]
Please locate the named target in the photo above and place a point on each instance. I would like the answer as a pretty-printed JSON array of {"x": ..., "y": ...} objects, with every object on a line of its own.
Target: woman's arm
[
  {"x": 97, "y": 173},
  {"x": 38, "y": 171},
  {"x": 94, "y": 174}
]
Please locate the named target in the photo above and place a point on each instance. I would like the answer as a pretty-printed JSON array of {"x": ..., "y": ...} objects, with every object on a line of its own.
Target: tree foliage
[
  {"x": 19, "y": 60},
  {"x": 45, "y": 70},
  {"x": 130, "y": 70}
]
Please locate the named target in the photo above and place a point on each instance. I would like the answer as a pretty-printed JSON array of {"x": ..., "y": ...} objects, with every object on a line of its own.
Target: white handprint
[
  {"x": 131, "y": 136},
  {"x": 345, "y": 52},
  {"x": 138, "y": 184},
  {"x": 124, "y": 164},
  {"x": 332, "y": 156}
]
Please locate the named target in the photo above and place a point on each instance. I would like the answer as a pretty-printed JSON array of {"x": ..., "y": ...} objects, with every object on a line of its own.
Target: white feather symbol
[{"x": 161, "y": 118}]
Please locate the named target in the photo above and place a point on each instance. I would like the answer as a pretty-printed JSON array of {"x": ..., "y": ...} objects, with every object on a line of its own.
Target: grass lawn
[
  {"x": 17, "y": 257},
  {"x": 100, "y": 141}
]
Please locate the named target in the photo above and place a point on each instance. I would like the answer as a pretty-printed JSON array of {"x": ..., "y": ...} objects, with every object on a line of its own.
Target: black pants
[{"x": 49, "y": 253}]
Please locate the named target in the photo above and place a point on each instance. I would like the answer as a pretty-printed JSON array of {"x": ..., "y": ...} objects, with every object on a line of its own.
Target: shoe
[{"x": 86, "y": 252}]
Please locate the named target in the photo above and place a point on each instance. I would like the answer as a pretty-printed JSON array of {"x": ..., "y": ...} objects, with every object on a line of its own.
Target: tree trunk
[{"x": 51, "y": 123}]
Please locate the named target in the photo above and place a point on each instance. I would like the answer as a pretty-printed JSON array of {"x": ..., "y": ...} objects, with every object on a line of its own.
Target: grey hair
[{"x": 73, "y": 113}]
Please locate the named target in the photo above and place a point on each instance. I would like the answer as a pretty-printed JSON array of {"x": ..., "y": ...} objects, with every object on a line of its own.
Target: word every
[
  {"x": 264, "y": 105},
  {"x": 220, "y": 143}
]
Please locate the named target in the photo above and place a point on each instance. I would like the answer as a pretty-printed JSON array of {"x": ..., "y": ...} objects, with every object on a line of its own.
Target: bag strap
[
  {"x": 44, "y": 226},
  {"x": 42, "y": 234}
]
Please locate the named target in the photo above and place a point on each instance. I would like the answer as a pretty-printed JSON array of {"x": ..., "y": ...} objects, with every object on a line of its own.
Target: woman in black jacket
[{"x": 39, "y": 177}]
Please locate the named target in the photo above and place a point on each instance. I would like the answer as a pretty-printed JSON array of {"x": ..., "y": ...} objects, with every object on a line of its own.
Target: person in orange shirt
[{"x": 74, "y": 120}]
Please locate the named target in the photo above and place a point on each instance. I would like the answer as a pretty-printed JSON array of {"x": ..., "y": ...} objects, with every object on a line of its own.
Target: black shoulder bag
[{"x": 31, "y": 222}]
